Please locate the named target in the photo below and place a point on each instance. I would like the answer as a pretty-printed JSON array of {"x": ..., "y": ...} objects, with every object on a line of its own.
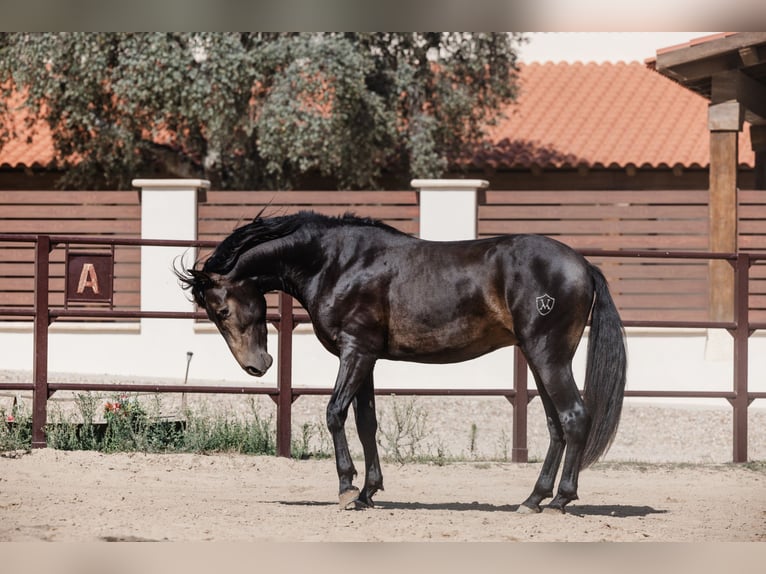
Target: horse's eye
[{"x": 223, "y": 313}]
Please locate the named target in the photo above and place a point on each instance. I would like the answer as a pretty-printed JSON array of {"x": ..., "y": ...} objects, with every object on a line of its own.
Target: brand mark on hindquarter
[{"x": 545, "y": 304}]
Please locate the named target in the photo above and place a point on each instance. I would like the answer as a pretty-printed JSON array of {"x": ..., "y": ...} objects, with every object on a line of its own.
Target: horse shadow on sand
[{"x": 611, "y": 510}]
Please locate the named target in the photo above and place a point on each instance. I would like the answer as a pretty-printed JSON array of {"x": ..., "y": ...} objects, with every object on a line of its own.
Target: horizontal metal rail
[
  {"x": 17, "y": 311},
  {"x": 58, "y": 312}
]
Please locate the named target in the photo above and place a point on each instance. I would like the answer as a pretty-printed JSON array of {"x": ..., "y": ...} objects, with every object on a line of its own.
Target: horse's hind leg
[
  {"x": 575, "y": 423},
  {"x": 367, "y": 426},
  {"x": 567, "y": 418},
  {"x": 544, "y": 486}
]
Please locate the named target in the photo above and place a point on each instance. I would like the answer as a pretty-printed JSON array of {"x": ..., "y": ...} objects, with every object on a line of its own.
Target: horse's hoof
[
  {"x": 554, "y": 510},
  {"x": 559, "y": 502},
  {"x": 364, "y": 502},
  {"x": 349, "y": 500},
  {"x": 524, "y": 509}
]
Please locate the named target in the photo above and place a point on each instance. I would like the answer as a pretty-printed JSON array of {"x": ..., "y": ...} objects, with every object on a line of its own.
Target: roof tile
[
  {"x": 601, "y": 115},
  {"x": 31, "y": 146}
]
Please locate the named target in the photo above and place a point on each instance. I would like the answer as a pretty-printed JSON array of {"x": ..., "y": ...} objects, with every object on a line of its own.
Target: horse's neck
[{"x": 273, "y": 265}]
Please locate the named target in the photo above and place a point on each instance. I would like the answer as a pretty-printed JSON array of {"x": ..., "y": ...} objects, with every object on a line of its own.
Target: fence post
[
  {"x": 41, "y": 323},
  {"x": 168, "y": 211},
  {"x": 519, "y": 450},
  {"x": 448, "y": 207},
  {"x": 285, "y": 375},
  {"x": 741, "y": 334},
  {"x": 724, "y": 123}
]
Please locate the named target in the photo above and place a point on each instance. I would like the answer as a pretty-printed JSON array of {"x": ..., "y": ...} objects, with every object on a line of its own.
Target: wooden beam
[
  {"x": 725, "y": 117},
  {"x": 722, "y": 221},
  {"x": 695, "y": 72},
  {"x": 738, "y": 86},
  {"x": 749, "y": 56},
  {"x": 758, "y": 137},
  {"x": 714, "y": 51},
  {"x": 760, "y": 170},
  {"x": 758, "y": 141}
]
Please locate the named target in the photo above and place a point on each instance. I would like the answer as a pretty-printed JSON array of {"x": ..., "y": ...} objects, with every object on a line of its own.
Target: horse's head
[{"x": 238, "y": 309}]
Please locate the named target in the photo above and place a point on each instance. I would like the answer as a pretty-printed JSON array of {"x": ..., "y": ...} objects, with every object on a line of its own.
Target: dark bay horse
[{"x": 373, "y": 293}]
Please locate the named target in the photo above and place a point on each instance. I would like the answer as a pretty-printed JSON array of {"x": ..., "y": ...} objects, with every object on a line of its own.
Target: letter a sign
[{"x": 90, "y": 277}]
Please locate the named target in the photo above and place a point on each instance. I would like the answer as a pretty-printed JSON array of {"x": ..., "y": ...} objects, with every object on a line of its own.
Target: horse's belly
[{"x": 447, "y": 345}]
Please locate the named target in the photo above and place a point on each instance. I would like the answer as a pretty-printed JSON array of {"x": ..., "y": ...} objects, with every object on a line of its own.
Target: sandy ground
[
  {"x": 667, "y": 478},
  {"x": 86, "y": 496}
]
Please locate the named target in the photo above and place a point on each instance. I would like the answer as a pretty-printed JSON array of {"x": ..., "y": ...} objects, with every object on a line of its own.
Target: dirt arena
[
  {"x": 665, "y": 479},
  {"x": 87, "y": 496}
]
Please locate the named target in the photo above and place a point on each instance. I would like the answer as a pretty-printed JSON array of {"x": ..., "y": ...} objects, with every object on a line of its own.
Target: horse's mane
[
  {"x": 265, "y": 229},
  {"x": 262, "y": 230}
]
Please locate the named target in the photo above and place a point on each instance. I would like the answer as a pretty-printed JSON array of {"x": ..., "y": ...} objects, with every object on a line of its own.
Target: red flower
[{"x": 10, "y": 419}]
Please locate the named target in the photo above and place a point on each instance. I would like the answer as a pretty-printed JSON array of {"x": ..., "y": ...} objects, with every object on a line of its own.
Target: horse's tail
[{"x": 605, "y": 371}]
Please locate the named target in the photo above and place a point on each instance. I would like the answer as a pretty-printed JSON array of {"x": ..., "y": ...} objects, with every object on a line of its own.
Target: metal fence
[{"x": 286, "y": 318}]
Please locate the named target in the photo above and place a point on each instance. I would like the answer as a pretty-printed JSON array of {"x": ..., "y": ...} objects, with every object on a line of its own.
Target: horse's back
[{"x": 451, "y": 301}]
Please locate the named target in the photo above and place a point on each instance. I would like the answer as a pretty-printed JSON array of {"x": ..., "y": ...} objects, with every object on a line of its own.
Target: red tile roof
[
  {"x": 610, "y": 114},
  {"x": 32, "y": 146},
  {"x": 598, "y": 115}
]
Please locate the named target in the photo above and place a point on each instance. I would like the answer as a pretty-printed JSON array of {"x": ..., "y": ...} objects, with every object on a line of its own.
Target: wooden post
[
  {"x": 741, "y": 335},
  {"x": 41, "y": 323},
  {"x": 758, "y": 140},
  {"x": 724, "y": 120},
  {"x": 285, "y": 375},
  {"x": 519, "y": 450}
]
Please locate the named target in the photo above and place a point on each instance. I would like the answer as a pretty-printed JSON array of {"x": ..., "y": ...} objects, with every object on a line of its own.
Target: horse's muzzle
[{"x": 260, "y": 370}]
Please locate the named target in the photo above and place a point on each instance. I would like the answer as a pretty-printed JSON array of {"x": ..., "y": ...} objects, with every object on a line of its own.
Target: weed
[
  {"x": 126, "y": 425},
  {"x": 755, "y": 465},
  {"x": 302, "y": 447},
  {"x": 225, "y": 432},
  {"x": 63, "y": 432},
  {"x": 87, "y": 405},
  {"x": 400, "y": 435},
  {"x": 502, "y": 444},
  {"x": 15, "y": 428},
  {"x": 472, "y": 439}
]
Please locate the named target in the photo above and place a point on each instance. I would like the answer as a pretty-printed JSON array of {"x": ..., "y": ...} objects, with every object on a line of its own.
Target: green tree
[{"x": 258, "y": 110}]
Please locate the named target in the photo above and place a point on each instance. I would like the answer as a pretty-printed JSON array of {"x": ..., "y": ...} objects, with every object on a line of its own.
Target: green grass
[
  {"x": 129, "y": 423},
  {"x": 126, "y": 424}
]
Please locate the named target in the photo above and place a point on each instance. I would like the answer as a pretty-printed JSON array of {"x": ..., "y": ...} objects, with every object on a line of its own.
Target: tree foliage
[{"x": 258, "y": 110}]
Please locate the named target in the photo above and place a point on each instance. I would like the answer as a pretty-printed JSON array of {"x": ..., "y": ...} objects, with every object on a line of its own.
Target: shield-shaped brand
[{"x": 545, "y": 304}]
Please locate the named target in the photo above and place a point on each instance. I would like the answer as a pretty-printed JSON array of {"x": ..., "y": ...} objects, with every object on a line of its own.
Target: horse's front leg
[
  {"x": 354, "y": 371},
  {"x": 367, "y": 427}
]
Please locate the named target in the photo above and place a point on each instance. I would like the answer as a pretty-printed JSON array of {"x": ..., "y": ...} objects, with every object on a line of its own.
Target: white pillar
[
  {"x": 448, "y": 208},
  {"x": 168, "y": 211}
]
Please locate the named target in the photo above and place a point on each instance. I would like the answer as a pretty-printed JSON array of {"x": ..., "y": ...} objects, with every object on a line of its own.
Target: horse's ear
[
  {"x": 187, "y": 277},
  {"x": 194, "y": 280},
  {"x": 200, "y": 282},
  {"x": 198, "y": 274}
]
